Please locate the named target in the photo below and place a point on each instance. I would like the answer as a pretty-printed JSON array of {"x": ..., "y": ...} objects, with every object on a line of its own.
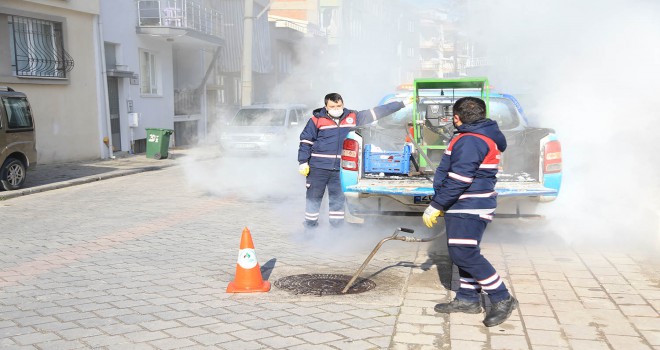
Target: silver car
[{"x": 268, "y": 129}]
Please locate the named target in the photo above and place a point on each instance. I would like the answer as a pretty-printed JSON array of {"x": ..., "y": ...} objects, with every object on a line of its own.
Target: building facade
[
  {"x": 49, "y": 50},
  {"x": 160, "y": 57}
]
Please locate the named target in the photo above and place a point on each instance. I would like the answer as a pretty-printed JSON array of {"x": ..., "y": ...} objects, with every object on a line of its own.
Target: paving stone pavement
[{"x": 143, "y": 261}]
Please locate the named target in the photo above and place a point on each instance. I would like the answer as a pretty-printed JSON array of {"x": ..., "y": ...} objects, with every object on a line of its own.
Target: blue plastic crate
[{"x": 388, "y": 162}]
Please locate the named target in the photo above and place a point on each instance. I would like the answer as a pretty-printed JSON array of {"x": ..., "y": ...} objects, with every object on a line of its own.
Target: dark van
[{"x": 18, "y": 149}]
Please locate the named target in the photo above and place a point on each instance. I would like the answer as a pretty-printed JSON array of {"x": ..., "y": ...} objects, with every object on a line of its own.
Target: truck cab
[
  {"x": 18, "y": 150},
  {"x": 391, "y": 172}
]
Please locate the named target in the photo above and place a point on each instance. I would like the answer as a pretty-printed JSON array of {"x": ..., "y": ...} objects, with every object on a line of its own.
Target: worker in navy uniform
[
  {"x": 319, "y": 154},
  {"x": 464, "y": 185}
]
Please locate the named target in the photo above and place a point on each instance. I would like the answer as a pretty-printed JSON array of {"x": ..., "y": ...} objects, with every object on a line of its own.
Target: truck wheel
[{"x": 12, "y": 174}]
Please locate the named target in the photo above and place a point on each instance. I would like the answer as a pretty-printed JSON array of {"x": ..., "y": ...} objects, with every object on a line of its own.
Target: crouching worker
[
  {"x": 465, "y": 195},
  {"x": 319, "y": 154}
]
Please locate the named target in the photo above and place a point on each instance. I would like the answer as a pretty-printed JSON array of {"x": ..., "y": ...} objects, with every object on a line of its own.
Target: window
[
  {"x": 259, "y": 117},
  {"x": 504, "y": 113},
  {"x": 149, "y": 72},
  {"x": 18, "y": 113},
  {"x": 37, "y": 48},
  {"x": 411, "y": 52}
]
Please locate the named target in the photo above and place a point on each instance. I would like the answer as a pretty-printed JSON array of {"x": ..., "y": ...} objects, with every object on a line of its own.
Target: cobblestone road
[{"x": 143, "y": 261}]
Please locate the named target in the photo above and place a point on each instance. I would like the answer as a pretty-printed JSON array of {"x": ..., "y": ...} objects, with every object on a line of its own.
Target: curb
[{"x": 79, "y": 181}]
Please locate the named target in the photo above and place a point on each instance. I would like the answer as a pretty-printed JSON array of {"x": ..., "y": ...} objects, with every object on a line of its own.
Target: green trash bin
[{"x": 158, "y": 141}]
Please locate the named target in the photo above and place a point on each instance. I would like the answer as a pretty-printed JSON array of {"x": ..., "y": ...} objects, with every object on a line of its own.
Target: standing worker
[
  {"x": 319, "y": 154},
  {"x": 465, "y": 195}
]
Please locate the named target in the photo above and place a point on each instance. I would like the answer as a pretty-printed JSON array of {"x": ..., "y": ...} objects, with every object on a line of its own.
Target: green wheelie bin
[{"x": 158, "y": 141}]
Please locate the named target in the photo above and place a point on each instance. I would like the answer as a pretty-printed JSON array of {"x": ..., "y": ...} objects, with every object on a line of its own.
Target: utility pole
[{"x": 246, "y": 72}]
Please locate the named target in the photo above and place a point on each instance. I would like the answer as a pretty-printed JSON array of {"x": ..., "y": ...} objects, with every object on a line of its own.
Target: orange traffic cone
[{"x": 248, "y": 274}]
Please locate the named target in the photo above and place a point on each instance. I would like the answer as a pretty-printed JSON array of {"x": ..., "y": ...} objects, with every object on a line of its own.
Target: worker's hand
[
  {"x": 303, "y": 169},
  {"x": 409, "y": 100},
  {"x": 430, "y": 216}
]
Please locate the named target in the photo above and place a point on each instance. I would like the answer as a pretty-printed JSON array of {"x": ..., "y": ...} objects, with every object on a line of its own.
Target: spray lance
[{"x": 394, "y": 236}]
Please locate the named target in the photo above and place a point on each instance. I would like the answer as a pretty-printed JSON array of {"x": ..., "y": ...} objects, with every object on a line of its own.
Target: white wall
[{"x": 119, "y": 19}]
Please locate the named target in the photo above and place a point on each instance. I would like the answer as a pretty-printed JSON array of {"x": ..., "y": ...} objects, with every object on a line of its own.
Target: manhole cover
[{"x": 323, "y": 284}]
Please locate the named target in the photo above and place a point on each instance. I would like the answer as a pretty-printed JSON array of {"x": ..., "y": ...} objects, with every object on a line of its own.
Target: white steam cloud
[{"x": 589, "y": 70}]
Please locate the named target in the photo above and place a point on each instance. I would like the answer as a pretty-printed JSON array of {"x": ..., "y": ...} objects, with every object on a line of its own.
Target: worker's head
[
  {"x": 334, "y": 104},
  {"x": 469, "y": 110}
]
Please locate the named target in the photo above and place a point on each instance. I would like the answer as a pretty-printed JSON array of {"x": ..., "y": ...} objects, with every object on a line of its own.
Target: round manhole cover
[{"x": 323, "y": 284}]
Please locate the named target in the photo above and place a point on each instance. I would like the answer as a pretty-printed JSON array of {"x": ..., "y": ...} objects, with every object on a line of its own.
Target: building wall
[
  {"x": 65, "y": 110},
  {"x": 119, "y": 20}
]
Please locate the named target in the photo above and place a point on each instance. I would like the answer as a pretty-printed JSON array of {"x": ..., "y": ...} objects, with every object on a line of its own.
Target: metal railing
[
  {"x": 184, "y": 14},
  {"x": 477, "y": 62},
  {"x": 187, "y": 102},
  {"x": 37, "y": 48}
]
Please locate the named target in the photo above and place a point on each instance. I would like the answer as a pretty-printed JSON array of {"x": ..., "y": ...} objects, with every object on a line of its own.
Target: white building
[{"x": 157, "y": 59}]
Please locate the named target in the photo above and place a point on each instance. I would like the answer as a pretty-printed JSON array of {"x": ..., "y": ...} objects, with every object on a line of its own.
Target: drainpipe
[
  {"x": 203, "y": 99},
  {"x": 246, "y": 73},
  {"x": 104, "y": 85}
]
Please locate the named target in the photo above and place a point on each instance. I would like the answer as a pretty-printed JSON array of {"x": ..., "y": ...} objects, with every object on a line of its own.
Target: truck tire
[{"x": 12, "y": 174}]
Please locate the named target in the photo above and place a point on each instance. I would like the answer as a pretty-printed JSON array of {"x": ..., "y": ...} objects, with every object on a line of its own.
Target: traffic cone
[{"x": 248, "y": 274}]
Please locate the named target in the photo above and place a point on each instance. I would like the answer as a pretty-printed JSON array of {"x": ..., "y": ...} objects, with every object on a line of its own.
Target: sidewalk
[{"x": 48, "y": 177}]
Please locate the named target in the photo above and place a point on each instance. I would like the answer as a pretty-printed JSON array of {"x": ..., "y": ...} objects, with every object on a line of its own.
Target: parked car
[
  {"x": 18, "y": 149},
  {"x": 264, "y": 129}
]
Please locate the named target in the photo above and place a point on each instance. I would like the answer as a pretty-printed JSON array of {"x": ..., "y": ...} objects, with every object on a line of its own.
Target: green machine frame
[{"x": 448, "y": 87}]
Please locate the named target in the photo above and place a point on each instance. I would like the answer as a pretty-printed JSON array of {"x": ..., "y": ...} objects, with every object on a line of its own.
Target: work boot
[
  {"x": 500, "y": 311},
  {"x": 310, "y": 224},
  {"x": 337, "y": 224},
  {"x": 457, "y": 305}
]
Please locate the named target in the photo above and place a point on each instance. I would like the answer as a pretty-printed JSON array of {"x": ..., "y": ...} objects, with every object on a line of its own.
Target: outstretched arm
[{"x": 371, "y": 115}]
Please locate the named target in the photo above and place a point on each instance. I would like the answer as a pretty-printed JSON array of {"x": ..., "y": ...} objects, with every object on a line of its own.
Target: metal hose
[{"x": 394, "y": 236}]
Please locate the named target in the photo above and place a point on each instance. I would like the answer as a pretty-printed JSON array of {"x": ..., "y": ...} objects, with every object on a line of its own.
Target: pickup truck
[{"x": 388, "y": 168}]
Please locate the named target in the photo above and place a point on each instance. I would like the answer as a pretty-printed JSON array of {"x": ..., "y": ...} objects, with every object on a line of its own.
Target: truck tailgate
[{"x": 416, "y": 187}]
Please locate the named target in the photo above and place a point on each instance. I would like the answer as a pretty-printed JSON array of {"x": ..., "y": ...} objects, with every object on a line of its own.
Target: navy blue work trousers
[
  {"x": 464, "y": 233},
  {"x": 317, "y": 181}
]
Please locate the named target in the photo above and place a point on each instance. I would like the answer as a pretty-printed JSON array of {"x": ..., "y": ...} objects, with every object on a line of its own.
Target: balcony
[
  {"x": 431, "y": 43},
  {"x": 448, "y": 47},
  {"x": 432, "y": 65},
  {"x": 184, "y": 19},
  {"x": 307, "y": 29}
]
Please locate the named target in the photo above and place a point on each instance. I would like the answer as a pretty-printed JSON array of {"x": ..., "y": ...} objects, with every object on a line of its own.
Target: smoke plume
[{"x": 586, "y": 69}]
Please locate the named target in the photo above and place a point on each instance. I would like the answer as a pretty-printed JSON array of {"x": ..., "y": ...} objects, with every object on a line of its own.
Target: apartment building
[{"x": 49, "y": 50}]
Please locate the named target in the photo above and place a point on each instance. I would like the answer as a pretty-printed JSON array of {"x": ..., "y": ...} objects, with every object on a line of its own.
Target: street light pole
[{"x": 246, "y": 72}]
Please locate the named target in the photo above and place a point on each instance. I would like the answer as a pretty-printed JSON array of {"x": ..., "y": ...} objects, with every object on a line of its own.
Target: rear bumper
[{"x": 406, "y": 199}]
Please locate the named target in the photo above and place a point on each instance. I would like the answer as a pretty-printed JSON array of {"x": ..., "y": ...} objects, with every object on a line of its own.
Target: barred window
[{"x": 37, "y": 48}]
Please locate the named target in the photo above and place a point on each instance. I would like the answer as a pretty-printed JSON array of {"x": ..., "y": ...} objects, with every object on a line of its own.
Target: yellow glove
[
  {"x": 303, "y": 169},
  {"x": 409, "y": 100},
  {"x": 430, "y": 216}
]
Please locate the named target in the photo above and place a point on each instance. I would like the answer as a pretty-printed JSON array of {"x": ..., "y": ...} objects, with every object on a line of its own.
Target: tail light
[
  {"x": 552, "y": 157},
  {"x": 349, "y": 155}
]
